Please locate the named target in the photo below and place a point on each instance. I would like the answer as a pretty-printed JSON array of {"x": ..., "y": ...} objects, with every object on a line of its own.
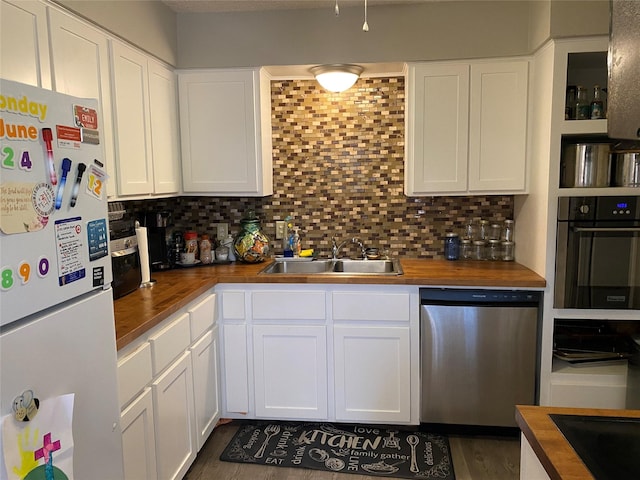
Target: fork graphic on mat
[{"x": 270, "y": 431}]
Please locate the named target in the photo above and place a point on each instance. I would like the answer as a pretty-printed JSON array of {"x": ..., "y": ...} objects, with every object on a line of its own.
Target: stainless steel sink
[{"x": 334, "y": 267}]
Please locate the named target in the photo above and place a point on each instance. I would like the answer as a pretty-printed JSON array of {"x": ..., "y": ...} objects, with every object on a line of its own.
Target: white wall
[{"x": 150, "y": 25}]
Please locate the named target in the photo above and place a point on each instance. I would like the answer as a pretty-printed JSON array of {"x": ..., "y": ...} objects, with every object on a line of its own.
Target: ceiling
[{"x": 197, "y": 6}]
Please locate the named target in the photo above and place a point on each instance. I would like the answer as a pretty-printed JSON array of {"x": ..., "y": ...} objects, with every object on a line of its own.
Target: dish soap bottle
[{"x": 295, "y": 243}]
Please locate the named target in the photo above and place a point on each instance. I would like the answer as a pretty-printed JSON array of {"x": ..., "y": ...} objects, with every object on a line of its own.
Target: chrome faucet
[{"x": 335, "y": 247}]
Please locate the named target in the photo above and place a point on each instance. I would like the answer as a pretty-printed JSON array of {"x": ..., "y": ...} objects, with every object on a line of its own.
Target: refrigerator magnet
[{"x": 25, "y": 406}]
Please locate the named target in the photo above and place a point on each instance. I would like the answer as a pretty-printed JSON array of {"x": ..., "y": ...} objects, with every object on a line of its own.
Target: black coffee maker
[{"x": 158, "y": 231}]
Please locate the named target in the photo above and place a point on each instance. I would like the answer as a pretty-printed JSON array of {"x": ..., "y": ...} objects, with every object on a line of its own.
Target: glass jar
[
  {"x": 478, "y": 250},
  {"x": 508, "y": 251},
  {"x": 466, "y": 250},
  {"x": 191, "y": 243},
  {"x": 483, "y": 230},
  {"x": 452, "y": 246},
  {"x": 597, "y": 104},
  {"x": 470, "y": 230},
  {"x": 508, "y": 232},
  {"x": 494, "y": 250},
  {"x": 251, "y": 245},
  {"x": 494, "y": 231},
  {"x": 583, "y": 108},
  {"x": 205, "y": 249}
]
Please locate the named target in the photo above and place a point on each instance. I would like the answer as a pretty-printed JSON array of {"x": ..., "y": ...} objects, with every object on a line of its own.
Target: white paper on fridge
[{"x": 43, "y": 446}]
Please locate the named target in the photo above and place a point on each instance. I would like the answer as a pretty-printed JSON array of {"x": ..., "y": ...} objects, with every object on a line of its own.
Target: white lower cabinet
[
  {"x": 337, "y": 353},
  {"x": 372, "y": 373},
  {"x": 290, "y": 371},
  {"x": 530, "y": 466},
  {"x": 206, "y": 385},
  {"x": 138, "y": 438},
  {"x": 174, "y": 419},
  {"x": 169, "y": 393}
]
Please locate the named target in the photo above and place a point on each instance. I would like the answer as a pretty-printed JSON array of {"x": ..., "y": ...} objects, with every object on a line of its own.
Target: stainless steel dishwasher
[{"x": 479, "y": 355}]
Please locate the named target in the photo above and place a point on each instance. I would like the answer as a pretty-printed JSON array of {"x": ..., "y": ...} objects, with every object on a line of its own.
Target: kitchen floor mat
[{"x": 356, "y": 449}]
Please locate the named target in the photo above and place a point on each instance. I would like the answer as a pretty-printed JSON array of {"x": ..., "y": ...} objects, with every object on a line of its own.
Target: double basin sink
[{"x": 334, "y": 267}]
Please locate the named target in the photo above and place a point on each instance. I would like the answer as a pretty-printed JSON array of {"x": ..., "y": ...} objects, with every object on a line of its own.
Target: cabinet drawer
[
  {"x": 233, "y": 306},
  {"x": 371, "y": 306},
  {"x": 134, "y": 373},
  {"x": 202, "y": 316},
  {"x": 169, "y": 342},
  {"x": 288, "y": 305}
]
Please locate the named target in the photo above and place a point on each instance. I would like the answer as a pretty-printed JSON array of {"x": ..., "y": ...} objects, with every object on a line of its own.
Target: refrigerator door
[
  {"x": 71, "y": 349},
  {"x": 53, "y": 215}
]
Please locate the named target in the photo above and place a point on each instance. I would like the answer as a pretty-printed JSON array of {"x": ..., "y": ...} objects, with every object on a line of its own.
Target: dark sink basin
[{"x": 608, "y": 446}]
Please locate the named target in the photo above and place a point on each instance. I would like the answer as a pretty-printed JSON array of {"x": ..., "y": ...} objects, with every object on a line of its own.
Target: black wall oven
[{"x": 598, "y": 253}]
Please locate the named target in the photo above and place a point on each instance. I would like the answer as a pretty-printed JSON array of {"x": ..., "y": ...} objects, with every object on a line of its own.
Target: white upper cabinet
[
  {"x": 165, "y": 138},
  {"x": 145, "y": 119},
  {"x": 225, "y": 118},
  {"x": 24, "y": 46},
  {"x": 80, "y": 64},
  {"x": 131, "y": 120},
  {"x": 467, "y": 128}
]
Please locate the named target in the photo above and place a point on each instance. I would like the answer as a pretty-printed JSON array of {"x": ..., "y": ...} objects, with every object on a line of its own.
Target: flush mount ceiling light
[{"x": 337, "y": 77}]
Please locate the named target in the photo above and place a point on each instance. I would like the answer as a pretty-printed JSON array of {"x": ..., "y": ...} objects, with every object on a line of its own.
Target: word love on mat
[{"x": 356, "y": 449}]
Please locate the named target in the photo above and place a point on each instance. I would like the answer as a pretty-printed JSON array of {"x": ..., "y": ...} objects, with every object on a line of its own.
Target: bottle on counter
[
  {"x": 228, "y": 242},
  {"x": 191, "y": 243},
  {"x": 205, "y": 249}
]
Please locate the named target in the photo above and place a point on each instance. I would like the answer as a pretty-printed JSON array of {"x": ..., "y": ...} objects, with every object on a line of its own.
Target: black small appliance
[{"x": 158, "y": 225}]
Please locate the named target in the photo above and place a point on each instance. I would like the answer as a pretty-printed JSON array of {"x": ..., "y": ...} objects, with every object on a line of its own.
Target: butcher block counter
[
  {"x": 552, "y": 449},
  {"x": 141, "y": 310}
]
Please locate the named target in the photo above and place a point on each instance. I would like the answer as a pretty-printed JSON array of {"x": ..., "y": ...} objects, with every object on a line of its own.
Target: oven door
[{"x": 602, "y": 267}]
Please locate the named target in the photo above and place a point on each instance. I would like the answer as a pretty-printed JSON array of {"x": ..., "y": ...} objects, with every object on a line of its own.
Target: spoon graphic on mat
[
  {"x": 270, "y": 431},
  {"x": 413, "y": 441}
]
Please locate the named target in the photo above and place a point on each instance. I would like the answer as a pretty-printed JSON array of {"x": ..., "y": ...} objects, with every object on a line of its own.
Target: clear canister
[
  {"x": 452, "y": 246},
  {"x": 466, "y": 249},
  {"x": 191, "y": 242},
  {"x": 494, "y": 231},
  {"x": 494, "y": 250},
  {"x": 508, "y": 251},
  {"x": 478, "y": 250},
  {"x": 483, "y": 230},
  {"x": 205, "y": 249},
  {"x": 508, "y": 232}
]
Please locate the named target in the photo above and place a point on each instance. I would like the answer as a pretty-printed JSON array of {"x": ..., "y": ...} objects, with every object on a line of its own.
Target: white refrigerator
[{"x": 57, "y": 331}]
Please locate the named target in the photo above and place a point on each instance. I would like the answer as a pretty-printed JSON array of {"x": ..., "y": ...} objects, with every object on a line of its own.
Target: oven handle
[
  {"x": 126, "y": 251},
  {"x": 606, "y": 229}
]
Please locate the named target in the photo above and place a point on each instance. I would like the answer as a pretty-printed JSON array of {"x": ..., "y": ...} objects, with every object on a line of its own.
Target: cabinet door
[
  {"x": 498, "y": 126},
  {"x": 437, "y": 128},
  {"x": 80, "y": 64},
  {"x": 138, "y": 438},
  {"x": 164, "y": 128},
  {"x": 206, "y": 384},
  {"x": 290, "y": 371},
  {"x": 236, "y": 370},
  {"x": 372, "y": 374},
  {"x": 222, "y": 133},
  {"x": 24, "y": 45},
  {"x": 174, "y": 419},
  {"x": 131, "y": 120}
]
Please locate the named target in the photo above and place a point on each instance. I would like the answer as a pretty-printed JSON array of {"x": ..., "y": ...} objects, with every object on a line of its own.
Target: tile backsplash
[{"x": 338, "y": 170}]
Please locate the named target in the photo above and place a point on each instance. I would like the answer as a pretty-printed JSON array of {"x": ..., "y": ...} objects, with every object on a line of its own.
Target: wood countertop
[
  {"x": 556, "y": 455},
  {"x": 141, "y": 310}
]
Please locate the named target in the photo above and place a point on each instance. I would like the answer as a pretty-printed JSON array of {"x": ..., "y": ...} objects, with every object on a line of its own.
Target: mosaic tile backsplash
[{"x": 338, "y": 170}]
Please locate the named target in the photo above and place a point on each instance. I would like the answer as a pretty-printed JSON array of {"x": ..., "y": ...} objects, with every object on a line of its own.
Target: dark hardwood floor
[{"x": 474, "y": 458}]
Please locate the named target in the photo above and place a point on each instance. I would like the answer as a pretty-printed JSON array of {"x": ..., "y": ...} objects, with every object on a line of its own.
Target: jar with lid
[
  {"x": 452, "y": 246},
  {"x": 583, "y": 108},
  {"x": 508, "y": 232},
  {"x": 494, "y": 231},
  {"x": 478, "y": 250},
  {"x": 494, "y": 250},
  {"x": 508, "y": 251},
  {"x": 483, "y": 230},
  {"x": 251, "y": 245},
  {"x": 205, "y": 249},
  {"x": 191, "y": 243},
  {"x": 466, "y": 250},
  {"x": 597, "y": 104}
]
